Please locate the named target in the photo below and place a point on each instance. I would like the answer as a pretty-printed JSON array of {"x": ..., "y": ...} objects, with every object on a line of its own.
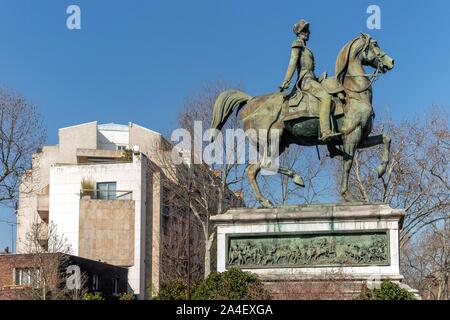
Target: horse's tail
[{"x": 226, "y": 103}]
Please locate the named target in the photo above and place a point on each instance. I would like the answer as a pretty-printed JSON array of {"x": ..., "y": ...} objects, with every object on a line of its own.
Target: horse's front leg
[
  {"x": 350, "y": 143},
  {"x": 377, "y": 140}
]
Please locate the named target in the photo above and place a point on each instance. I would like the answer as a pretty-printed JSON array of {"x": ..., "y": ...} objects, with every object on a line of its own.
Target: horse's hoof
[
  {"x": 298, "y": 181},
  {"x": 348, "y": 197},
  {"x": 266, "y": 203}
]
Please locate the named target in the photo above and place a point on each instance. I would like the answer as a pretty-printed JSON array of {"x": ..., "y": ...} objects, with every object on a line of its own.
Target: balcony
[
  {"x": 42, "y": 203},
  {"x": 90, "y": 194},
  {"x": 42, "y": 236},
  {"x": 93, "y": 156},
  {"x": 43, "y": 242}
]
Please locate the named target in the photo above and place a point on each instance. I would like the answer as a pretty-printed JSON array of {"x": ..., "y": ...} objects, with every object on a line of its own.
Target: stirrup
[{"x": 330, "y": 136}]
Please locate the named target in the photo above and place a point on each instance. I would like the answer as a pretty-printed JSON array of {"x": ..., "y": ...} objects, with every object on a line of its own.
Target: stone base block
[{"x": 341, "y": 244}]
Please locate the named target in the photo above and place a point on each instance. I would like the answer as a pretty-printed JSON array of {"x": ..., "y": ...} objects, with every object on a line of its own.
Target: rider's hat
[{"x": 300, "y": 26}]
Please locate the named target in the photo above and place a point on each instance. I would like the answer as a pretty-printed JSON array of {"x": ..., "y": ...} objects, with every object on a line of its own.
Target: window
[
  {"x": 121, "y": 148},
  {"x": 106, "y": 190},
  {"x": 95, "y": 283},
  {"x": 115, "y": 286},
  {"x": 27, "y": 277}
]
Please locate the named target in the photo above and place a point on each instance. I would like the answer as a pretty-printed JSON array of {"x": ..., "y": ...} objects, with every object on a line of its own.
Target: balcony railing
[{"x": 106, "y": 194}]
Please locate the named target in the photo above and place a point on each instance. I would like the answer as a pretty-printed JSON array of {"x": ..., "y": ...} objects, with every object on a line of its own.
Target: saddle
[{"x": 305, "y": 105}]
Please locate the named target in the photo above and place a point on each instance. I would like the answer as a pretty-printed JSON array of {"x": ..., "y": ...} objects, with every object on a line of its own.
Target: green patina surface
[
  {"x": 333, "y": 111},
  {"x": 308, "y": 250}
]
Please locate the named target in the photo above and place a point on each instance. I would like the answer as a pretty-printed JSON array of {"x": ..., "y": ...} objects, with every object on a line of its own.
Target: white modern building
[{"x": 97, "y": 188}]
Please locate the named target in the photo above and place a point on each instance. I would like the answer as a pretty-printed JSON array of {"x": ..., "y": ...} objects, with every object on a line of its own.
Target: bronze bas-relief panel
[{"x": 297, "y": 250}]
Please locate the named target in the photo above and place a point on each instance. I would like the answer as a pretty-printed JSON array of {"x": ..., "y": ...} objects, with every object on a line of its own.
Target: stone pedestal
[{"x": 351, "y": 242}]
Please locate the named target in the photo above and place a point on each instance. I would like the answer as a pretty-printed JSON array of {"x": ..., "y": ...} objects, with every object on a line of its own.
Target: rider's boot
[{"x": 324, "y": 119}]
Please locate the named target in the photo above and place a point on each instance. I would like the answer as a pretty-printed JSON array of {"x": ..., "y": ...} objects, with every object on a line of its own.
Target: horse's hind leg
[
  {"x": 269, "y": 165},
  {"x": 298, "y": 180},
  {"x": 292, "y": 174},
  {"x": 252, "y": 172}
]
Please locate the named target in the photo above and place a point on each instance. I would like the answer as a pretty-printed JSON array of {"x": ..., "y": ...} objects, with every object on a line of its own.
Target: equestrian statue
[{"x": 333, "y": 111}]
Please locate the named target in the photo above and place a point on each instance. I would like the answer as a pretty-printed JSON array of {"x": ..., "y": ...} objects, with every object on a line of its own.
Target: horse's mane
[{"x": 343, "y": 58}]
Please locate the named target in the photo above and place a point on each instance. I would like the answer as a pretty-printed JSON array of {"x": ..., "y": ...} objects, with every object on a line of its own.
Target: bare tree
[
  {"x": 199, "y": 108},
  {"x": 426, "y": 262},
  {"x": 417, "y": 176},
  {"x": 175, "y": 236},
  {"x": 191, "y": 189},
  {"x": 314, "y": 170},
  {"x": 21, "y": 134},
  {"x": 49, "y": 252},
  {"x": 205, "y": 190},
  {"x": 416, "y": 181}
]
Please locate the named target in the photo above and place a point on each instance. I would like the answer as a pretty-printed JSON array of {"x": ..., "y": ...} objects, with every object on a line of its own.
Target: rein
[{"x": 372, "y": 76}]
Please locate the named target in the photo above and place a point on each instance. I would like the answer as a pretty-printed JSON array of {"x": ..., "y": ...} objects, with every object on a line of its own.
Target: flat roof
[{"x": 113, "y": 127}]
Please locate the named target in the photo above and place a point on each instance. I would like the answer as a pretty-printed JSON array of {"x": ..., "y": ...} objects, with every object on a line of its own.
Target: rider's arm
[{"x": 295, "y": 55}]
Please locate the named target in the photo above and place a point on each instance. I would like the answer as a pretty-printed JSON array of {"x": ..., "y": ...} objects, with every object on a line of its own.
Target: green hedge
[
  {"x": 172, "y": 290},
  {"x": 387, "y": 291},
  {"x": 233, "y": 284}
]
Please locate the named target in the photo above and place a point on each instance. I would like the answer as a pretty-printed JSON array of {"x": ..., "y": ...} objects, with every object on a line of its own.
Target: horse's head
[
  {"x": 363, "y": 50},
  {"x": 373, "y": 56}
]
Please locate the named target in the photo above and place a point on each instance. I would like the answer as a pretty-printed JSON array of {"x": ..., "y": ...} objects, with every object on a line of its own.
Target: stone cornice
[{"x": 353, "y": 211}]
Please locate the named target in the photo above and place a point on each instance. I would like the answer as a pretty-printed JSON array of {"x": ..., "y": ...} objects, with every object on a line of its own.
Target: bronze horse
[{"x": 354, "y": 122}]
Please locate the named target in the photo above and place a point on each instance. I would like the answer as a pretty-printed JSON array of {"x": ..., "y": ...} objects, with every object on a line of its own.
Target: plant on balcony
[
  {"x": 87, "y": 188},
  {"x": 127, "y": 156}
]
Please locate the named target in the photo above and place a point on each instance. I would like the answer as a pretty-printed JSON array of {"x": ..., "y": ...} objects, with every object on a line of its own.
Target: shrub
[
  {"x": 126, "y": 296},
  {"x": 127, "y": 156},
  {"x": 151, "y": 292},
  {"x": 233, "y": 284},
  {"x": 87, "y": 188},
  {"x": 92, "y": 296},
  {"x": 387, "y": 291},
  {"x": 172, "y": 290}
]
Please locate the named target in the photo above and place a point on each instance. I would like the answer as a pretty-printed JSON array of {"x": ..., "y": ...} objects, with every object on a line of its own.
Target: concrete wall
[
  {"x": 71, "y": 138},
  {"x": 65, "y": 184},
  {"x": 149, "y": 144},
  {"x": 156, "y": 230},
  {"x": 34, "y": 184},
  {"x": 109, "y": 136},
  {"x": 107, "y": 231},
  {"x": 147, "y": 140},
  {"x": 88, "y": 136}
]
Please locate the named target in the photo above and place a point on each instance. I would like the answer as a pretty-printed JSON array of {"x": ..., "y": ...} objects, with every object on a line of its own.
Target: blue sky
[{"x": 137, "y": 60}]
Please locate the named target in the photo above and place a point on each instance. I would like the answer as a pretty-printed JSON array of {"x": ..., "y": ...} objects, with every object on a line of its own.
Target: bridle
[{"x": 375, "y": 74}]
